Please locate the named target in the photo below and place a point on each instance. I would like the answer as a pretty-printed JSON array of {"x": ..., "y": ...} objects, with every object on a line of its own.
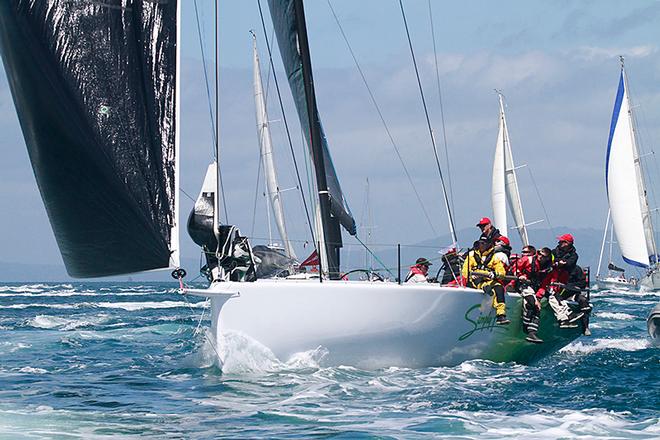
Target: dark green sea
[{"x": 129, "y": 360}]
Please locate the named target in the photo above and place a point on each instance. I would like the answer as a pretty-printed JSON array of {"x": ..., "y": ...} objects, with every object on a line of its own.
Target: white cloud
[{"x": 594, "y": 53}]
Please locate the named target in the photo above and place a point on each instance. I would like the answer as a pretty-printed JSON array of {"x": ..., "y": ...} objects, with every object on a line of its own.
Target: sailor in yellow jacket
[{"x": 482, "y": 271}]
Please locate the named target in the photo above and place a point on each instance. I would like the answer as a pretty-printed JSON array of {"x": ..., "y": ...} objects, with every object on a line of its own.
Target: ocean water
[{"x": 128, "y": 360}]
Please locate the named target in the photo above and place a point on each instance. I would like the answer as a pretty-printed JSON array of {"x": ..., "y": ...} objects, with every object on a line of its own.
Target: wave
[
  {"x": 613, "y": 315},
  {"x": 134, "y": 306},
  {"x": 56, "y": 322},
  {"x": 622, "y": 344},
  {"x": 553, "y": 423},
  {"x": 32, "y": 370},
  {"x": 128, "y": 306},
  {"x": 237, "y": 354}
]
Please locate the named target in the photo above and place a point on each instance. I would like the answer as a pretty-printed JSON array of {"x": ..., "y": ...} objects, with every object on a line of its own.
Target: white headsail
[
  {"x": 266, "y": 145},
  {"x": 625, "y": 185},
  {"x": 505, "y": 183}
]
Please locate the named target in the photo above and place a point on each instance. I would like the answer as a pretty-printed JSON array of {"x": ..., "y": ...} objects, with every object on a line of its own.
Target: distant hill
[
  {"x": 587, "y": 241},
  {"x": 16, "y": 272}
]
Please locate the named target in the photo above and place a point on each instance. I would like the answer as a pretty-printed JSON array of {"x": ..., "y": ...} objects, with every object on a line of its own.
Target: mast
[
  {"x": 602, "y": 246},
  {"x": 329, "y": 234},
  {"x": 274, "y": 196}
]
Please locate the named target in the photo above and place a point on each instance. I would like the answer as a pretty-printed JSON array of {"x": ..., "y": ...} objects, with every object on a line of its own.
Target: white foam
[
  {"x": 47, "y": 306},
  {"x": 607, "y": 344},
  {"x": 133, "y": 306},
  {"x": 590, "y": 423},
  {"x": 612, "y": 315},
  {"x": 33, "y": 370},
  {"x": 240, "y": 354},
  {"x": 50, "y": 322}
]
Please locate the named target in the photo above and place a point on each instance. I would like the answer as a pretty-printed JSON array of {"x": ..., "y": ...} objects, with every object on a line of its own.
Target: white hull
[
  {"x": 612, "y": 283},
  {"x": 653, "y": 323},
  {"x": 650, "y": 281},
  {"x": 372, "y": 324}
]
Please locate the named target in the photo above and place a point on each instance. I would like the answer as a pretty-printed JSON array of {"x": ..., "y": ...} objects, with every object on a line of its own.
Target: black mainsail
[
  {"x": 95, "y": 84},
  {"x": 289, "y": 22}
]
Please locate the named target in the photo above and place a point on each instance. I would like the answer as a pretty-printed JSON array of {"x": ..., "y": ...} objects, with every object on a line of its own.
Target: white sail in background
[
  {"x": 625, "y": 186},
  {"x": 505, "y": 184},
  {"x": 498, "y": 190},
  {"x": 266, "y": 145}
]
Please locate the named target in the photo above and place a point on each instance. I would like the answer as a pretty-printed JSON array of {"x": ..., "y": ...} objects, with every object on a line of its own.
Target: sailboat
[
  {"x": 626, "y": 191},
  {"x": 505, "y": 183},
  {"x": 97, "y": 90},
  {"x": 615, "y": 277}
]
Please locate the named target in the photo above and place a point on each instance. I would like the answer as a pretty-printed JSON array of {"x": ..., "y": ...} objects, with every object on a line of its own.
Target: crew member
[
  {"x": 483, "y": 271},
  {"x": 575, "y": 290},
  {"x": 451, "y": 264},
  {"x": 503, "y": 250},
  {"x": 419, "y": 272},
  {"x": 565, "y": 261},
  {"x": 528, "y": 270},
  {"x": 488, "y": 231}
]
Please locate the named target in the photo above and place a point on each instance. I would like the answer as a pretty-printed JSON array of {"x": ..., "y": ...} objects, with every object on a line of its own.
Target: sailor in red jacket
[
  {"x": 565, "y": 261},
  {"x": 530, "y": 268}
]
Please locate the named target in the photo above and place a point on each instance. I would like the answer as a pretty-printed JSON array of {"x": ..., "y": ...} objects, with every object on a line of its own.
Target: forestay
[{"x": 96, "y": 89}]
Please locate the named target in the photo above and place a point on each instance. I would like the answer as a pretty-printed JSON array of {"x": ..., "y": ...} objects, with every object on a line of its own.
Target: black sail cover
[
  {"x": 94, "y": 84},
  {"x": 286, "y": 30}
]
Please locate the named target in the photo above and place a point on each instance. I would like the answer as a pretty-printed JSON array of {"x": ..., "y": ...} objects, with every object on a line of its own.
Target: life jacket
[{"x": 482, "y": 264}]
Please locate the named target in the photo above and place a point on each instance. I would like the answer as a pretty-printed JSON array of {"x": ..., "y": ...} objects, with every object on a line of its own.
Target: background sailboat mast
[
  {"x": 602, "y": 246},
  {"x": 274, "y": 195},
  {"x": 330, "y": 229},
  {"x": 511, "y": 180}
]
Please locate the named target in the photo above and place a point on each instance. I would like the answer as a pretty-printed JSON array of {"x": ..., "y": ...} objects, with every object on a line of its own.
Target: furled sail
[
  {"x": 95, "y": 88},
  {"x": 505, "y": 183},
  {"x": 286, "y": 29},
  {"x": 624, "y": 183},
  {"x": 201, "y": 221},
  {"x": 266, "y": 145}
]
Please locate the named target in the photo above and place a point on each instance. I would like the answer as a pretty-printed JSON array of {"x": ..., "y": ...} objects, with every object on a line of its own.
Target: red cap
[
  {"x": 504, "y": 240},
  {"x": 483, "y": 221},
  {"x": 566, "y": 237}
]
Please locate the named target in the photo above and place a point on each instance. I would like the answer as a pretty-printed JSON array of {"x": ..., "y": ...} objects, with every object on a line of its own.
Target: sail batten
[{"x": 96, "y": 93}]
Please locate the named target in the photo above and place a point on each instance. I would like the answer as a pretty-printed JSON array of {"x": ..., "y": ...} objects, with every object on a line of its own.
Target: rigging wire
[
  {"x": 286, "y": 124},
  {"x": 256, "y": 195},
  {"x": 382, "y": 119},
  {"x": 452, "y": 226},
  {"x": 538, "y": 194},
  {"x": 186, "y": 194},
  {"x": 217, "y": 115},
  {"x": 214, "y": 134},
  {"x": 442, "y": 109},
  {"x": 206, "y": 80}
]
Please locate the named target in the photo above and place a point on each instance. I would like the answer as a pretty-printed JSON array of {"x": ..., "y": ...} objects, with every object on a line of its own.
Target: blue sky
[{"x": 555, "y": 61}]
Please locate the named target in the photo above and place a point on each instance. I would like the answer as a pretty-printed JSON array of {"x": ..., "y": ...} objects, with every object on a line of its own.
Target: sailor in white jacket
[{"x": 419, "y": 272}]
